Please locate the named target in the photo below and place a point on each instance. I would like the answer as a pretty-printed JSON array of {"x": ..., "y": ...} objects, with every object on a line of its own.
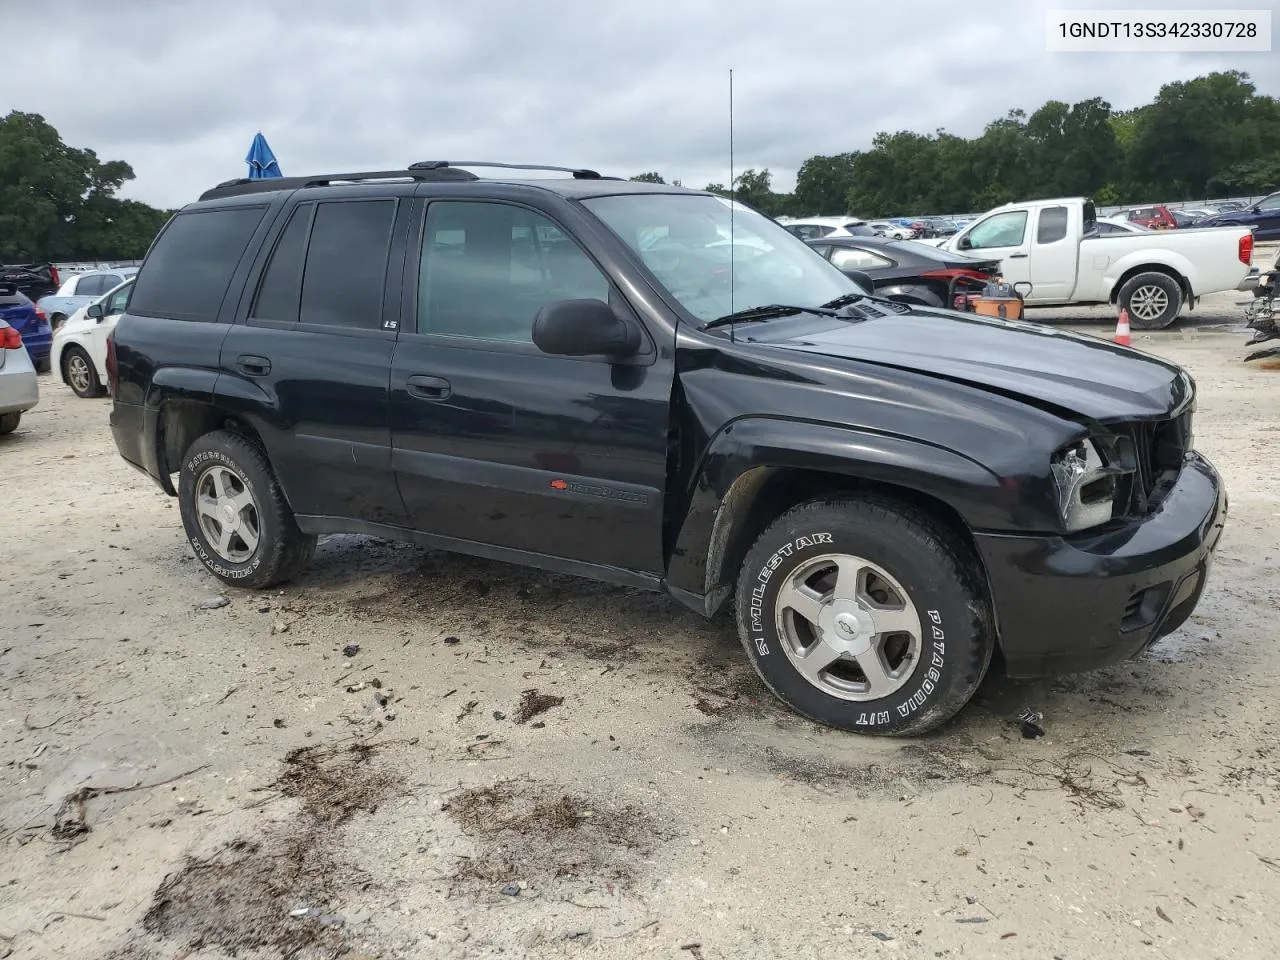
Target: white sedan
[
  {"x": 80, "y": 344},
  {"x": 19, "y": 390}
]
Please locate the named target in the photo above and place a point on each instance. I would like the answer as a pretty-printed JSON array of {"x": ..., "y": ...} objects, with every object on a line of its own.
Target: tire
[
  {"x": 1152, "y": 300},
  {"x": 57, "y": 320},
  {"x": 233, "y": 472},
  {"x": 923, "y": 572},
  {"x": 9, "y": 422},
  {"x": 43, "y": 366},
  {"x": 79, "y": 373}
]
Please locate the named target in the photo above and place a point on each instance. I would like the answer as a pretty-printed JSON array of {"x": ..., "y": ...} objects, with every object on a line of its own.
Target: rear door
[
  {"x": 1054, "y": 252},
  {"x": 500, "y": 444},
  {"x": 309, "y": 358}
]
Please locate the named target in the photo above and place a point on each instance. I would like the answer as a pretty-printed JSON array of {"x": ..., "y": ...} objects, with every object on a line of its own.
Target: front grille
[{"x": 1159, "y": 447}]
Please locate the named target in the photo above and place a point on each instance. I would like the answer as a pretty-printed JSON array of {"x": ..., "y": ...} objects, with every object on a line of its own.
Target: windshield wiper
[
  {"x": 845, "y": 300},
  {"x": 766, "y": 312}
]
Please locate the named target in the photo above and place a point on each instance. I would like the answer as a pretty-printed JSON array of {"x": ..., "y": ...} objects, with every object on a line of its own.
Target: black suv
[{"x": 661, "y": 388}]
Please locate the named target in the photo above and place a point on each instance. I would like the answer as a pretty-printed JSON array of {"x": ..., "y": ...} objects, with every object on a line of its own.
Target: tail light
[
  {"x": 1246, "y": 249},
  {"x": 113, "y": 368},
  {"x": 40, "y": 316},
  {"x": 952, "y": 274},
  {"x": 54, "y": 277},
  {"x": 10, "y": 339}
]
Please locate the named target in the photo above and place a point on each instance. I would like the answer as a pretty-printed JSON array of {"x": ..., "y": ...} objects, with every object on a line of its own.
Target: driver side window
[
  {"x": 1002, "y": 230},
  {"x": 118, "y": 301},
  {"x": 1270, "y": 203}
]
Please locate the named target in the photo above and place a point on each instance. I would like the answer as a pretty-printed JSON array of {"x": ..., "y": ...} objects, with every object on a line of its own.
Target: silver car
[{"x": 19, "y": 391}]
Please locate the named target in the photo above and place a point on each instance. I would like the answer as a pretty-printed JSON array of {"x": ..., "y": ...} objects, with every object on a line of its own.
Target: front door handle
[
  {"x": 429, "y": 388},
  {"x": 253, "y": 366},
  {"x": 1017, "y": 256}
]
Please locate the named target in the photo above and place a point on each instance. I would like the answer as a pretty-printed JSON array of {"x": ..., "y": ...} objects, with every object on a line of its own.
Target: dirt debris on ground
[
  {"x": 534, "y": 703},
  {"x": 280, "y": 890},
  {"x": 534, "y": 833}
]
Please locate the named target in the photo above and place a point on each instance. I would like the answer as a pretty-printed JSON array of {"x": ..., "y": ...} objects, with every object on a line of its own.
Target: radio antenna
[{"x": 732, "y": 203}]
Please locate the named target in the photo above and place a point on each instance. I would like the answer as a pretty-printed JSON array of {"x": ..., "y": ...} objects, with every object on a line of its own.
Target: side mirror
[
  {"x": 95, "y": 310},
  {"x": 584, "y": 328},
  {"x": 964, "y": 243},
  {"x": 863, "y": 280}
]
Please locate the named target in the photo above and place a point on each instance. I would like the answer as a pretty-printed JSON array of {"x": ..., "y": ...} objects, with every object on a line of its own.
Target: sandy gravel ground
[{"x": 519, "y": 764}]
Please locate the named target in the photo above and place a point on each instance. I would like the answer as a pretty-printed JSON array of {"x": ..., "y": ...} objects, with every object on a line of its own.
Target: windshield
[{"x": 684, "y": 240}]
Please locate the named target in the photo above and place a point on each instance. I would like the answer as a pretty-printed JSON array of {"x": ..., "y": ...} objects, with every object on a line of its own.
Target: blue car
[
  {"x": 1263, "y": 216},
  {"x": 17, "y": 310}
]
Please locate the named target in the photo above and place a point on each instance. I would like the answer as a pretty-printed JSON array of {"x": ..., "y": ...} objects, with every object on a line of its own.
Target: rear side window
[
  {"x": 1052, "y": 225},
  {"x": 855, "y": 258},
  {"x": 282, "y": 283},
  {"x": 188, "y": 270},
  {"x": 346, "y": 268}
]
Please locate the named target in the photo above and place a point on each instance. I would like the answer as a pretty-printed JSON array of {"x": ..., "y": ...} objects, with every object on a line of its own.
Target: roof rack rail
[
  {"x": 579, "y": 173},
  {"x": 427, "y": 170},
  {"x": 243, "y": 185}
]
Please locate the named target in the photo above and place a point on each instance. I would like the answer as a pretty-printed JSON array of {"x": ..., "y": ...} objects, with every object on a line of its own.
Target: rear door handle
[
  {"x": 253, "y": 366},
  {"x": 1017, "y": 256},
  {"x": 429, "y": 388}
]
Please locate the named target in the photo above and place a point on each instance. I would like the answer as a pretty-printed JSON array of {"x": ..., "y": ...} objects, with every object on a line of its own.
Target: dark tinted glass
[
  {"x": 91, "y": 285},
  {"x": 1052, "y": 225},
  {"x": 488, "y": 268},
  {"x": 347, "y": 264},
  {"x": 282, "y": 283},
  {"x": 1090, "y": 217},
  {"x": 187, "y": 272}
]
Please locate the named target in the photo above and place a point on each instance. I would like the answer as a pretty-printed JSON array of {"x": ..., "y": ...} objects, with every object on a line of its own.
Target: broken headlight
[{"x": 1086, "y": 487}]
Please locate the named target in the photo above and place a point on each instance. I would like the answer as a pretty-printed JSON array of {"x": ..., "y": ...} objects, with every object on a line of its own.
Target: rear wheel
[
  {"x": 235, "y": 513},
  {"x": 9, "y": 422},
  {"x": 57, "y": 320},
  {"x": 1152, "y": 300},
  {"x": 78, "y": 371},
  {"x": 865, "y": 614}
]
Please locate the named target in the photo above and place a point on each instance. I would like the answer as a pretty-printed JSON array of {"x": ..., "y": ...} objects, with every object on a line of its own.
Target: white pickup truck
[{"x": 1054, "y": 246}]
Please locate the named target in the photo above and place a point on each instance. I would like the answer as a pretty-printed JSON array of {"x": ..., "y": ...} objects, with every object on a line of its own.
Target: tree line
[
  {"x": 59, "y": 203},
  {"x": 1214, "y": 136}
]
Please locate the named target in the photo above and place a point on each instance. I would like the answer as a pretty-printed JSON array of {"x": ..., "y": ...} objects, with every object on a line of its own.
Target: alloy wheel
[{"x": 848, "y": 627}]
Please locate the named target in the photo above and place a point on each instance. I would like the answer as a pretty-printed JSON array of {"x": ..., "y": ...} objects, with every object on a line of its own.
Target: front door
[
  {"x": 310, "y": 359},
  {"x": 1003, "y": 236},
  {"x": 115, "y": 305},
  {"x": 497, "y": 443}
]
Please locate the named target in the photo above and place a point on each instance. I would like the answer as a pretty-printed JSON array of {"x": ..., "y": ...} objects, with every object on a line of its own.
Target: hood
[{"x": 1083, "y": 376}]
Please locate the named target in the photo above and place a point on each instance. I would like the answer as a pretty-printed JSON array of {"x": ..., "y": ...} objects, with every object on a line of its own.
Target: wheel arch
[
  {"x": 181, "y": 421},
  {"x": 1173, "y": 273},
  {"x": 743, "y": 487}
]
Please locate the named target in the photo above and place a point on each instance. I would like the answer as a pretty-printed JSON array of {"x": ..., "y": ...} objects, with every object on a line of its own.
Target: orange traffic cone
[{"x": 1122, "y": 329}]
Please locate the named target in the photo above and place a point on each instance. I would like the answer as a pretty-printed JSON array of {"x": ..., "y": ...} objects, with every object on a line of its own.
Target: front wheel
[
  {"x": 235, "y": 514},
  {"x": 866, "y": 614},
  {"x": 78, "y": 371},
  {"x": 1152, "y": 300}
]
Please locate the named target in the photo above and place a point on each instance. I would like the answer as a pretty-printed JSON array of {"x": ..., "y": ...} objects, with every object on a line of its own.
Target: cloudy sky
[{"x": 179, "y": 87}]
